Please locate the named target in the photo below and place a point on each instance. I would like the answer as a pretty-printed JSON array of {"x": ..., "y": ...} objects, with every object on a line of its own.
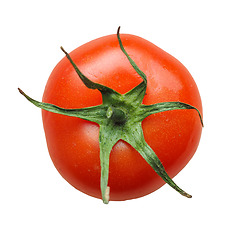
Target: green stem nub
[{"x": 117, "y": 115}]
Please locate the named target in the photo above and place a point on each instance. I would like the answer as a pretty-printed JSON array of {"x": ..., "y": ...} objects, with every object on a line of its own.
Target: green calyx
[{"x": 120, "y": 117}]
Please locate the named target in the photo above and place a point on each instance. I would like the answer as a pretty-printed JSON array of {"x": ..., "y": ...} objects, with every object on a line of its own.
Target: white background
[{"x": 36, "y": 203}]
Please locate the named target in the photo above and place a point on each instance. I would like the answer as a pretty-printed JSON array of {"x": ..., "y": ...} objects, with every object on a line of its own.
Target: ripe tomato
[{"x": 73, "y": 143}]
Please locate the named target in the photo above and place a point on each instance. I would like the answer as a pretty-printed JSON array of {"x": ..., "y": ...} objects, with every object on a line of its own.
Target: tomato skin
[{"x": 73, "y": 143}]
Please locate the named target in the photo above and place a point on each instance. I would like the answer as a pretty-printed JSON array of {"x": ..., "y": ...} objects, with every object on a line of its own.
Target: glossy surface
[{"x": 73, "y": 143}]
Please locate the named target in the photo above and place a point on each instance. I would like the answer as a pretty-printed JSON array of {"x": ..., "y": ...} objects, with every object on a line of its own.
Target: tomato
[
  {"x": 120, "y": 114},
  {"x": 73, "y": 143}
]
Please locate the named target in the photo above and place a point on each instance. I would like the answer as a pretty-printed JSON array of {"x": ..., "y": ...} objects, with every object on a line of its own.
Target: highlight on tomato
[{"x": 121, "y": 117}]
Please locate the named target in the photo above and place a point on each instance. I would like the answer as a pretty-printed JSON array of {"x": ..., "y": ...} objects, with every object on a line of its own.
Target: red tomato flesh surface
[{"x": 73, "y": 143}]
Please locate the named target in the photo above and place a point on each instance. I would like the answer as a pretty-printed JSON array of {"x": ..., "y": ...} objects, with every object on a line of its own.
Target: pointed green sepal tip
[
  {"x": 147, "y": 110},
  {"x": 106, "y": 196},
  {"x": 186, "y": 195},
  {"x": 134, "y": 65}
]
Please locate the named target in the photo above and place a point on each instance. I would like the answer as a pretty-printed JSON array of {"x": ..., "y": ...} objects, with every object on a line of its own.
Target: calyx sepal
[{"x": 120, "y": 117}]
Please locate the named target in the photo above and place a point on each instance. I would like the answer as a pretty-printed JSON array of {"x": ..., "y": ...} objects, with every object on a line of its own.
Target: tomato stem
[{"x": 117, "y": 115}]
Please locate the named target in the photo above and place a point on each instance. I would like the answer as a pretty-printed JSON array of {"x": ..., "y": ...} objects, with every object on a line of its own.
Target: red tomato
[{"x": 73, "y": 143}]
